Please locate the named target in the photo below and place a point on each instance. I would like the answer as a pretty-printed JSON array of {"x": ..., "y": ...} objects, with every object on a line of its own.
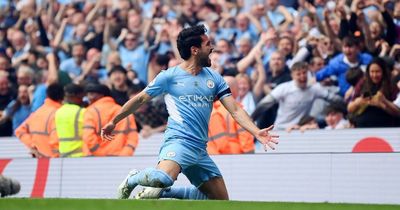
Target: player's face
[{"x": 205, "y": 51}]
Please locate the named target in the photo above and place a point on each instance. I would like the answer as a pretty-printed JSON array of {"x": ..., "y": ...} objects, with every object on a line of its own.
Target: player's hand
[
  {"x": 267, "y": 139},
  {"x": 106, "y": 132}
]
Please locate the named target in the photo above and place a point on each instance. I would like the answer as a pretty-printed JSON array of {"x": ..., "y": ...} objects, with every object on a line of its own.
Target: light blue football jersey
[{"x": 189, "y": 100}]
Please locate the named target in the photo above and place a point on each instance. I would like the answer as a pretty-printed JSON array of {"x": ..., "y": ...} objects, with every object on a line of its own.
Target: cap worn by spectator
[
  {"x": 117, "y": 69},
  {"x": 98, "y": 88}
]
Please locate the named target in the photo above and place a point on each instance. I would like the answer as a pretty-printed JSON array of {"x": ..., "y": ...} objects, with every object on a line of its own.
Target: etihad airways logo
[{"x": 197, "y": 100}]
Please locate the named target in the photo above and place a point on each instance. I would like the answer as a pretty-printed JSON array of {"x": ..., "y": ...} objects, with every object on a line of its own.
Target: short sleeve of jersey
[
  {"x": 223, "y": 89},
  {"x": 159, "y": 84}
]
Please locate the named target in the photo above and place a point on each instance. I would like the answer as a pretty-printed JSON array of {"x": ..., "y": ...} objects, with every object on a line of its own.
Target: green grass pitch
[{"x": 112, "y": 204}]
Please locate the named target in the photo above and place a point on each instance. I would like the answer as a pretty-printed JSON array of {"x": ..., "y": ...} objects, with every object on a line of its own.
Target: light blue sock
[
  {"x": 191, "y": 193},
  {"x": 151, "y": 177}
]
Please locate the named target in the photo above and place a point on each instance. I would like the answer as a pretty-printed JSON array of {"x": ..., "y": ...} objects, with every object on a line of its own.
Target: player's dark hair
[
  {"x": 55, "y": 92},
  {"x": 188, "y": 38}
]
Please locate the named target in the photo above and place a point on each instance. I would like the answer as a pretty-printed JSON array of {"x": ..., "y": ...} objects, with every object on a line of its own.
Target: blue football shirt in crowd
[
  {"x": 18, "y": 116},
  {"x": 71, "y": 67},
  {"x": 137, "y": 58}
]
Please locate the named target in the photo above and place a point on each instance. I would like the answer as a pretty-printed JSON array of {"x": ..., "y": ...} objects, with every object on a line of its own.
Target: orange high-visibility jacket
[
  {"x": 241, "y": 140},
  {"x": 217, "y": 130},
  {"x": 99, "y": 114},
  {"x": 37, "y": 129},
  {"x": 226, "y": 136}
]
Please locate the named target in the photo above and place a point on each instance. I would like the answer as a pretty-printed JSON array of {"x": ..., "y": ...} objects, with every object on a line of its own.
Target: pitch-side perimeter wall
[
  {"x": 314, "y": 141},
  {"x": 316, "y": 166},
  {"x": 347, "y": 177}
]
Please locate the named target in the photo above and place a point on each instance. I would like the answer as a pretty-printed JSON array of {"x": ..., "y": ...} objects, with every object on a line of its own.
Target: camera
[{"x": 8, "y": 186}]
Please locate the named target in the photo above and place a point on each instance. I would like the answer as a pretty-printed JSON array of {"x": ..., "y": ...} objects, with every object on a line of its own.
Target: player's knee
[{"x": 157, "y": 178}]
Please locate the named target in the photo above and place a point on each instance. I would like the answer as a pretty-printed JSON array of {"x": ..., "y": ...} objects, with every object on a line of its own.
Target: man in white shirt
[{"x": 295, "y": 97}]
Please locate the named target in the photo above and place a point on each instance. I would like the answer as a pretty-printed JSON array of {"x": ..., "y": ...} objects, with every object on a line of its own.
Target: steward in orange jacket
[
  {"x": 102, "y": 109},
  {"x": 36, "y": 131},
  {"x": 225, "y": 135},
  {"x": 217, "y": 130}
]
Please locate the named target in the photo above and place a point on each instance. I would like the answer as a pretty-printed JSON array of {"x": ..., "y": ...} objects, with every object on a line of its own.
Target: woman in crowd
[{"x": 372, "y": 104}]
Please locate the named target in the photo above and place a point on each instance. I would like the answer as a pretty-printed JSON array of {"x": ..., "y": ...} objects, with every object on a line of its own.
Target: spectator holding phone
[{"x": 372, "y": 104}]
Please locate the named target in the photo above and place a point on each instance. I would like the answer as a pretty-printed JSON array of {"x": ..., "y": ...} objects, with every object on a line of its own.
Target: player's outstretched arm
[
  {"x": 240, "y": 115},
  {"x": 128, "y": 108}
]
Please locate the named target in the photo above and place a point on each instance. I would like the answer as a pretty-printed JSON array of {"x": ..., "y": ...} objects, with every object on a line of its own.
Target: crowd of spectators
[{"x": 299, "y": 64}]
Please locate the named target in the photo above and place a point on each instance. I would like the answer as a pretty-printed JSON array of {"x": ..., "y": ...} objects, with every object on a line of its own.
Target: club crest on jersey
[{"x": 210, "y": 83}]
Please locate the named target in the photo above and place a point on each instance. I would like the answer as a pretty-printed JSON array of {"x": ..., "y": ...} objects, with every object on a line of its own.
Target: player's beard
[{"x": 204, "y": 60}]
